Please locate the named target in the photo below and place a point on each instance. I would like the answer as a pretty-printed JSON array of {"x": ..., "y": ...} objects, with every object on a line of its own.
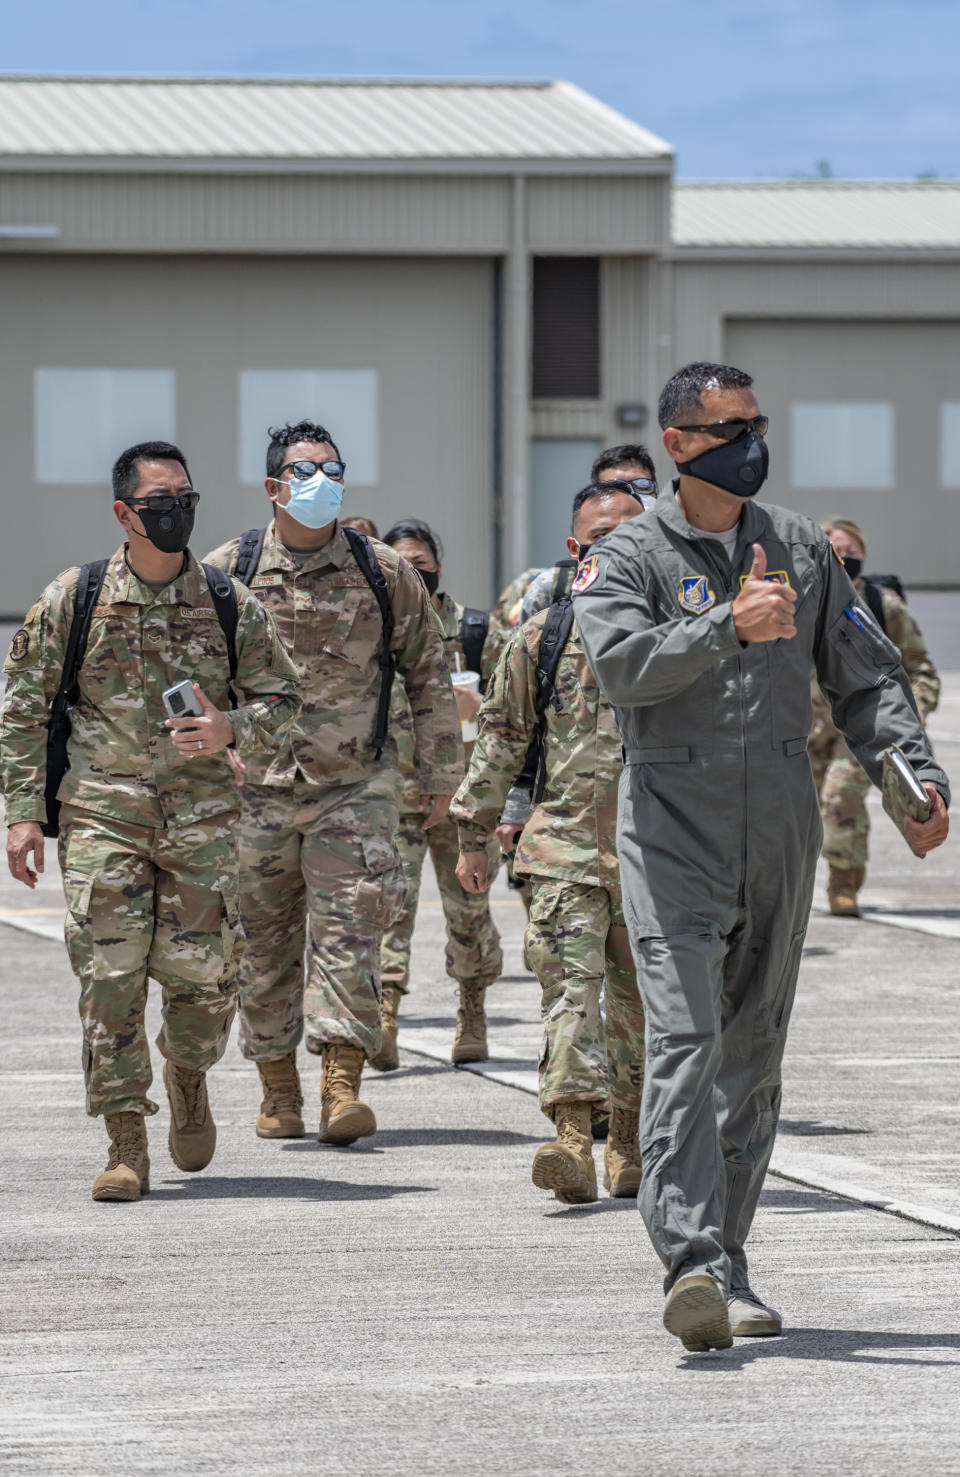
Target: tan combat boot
[
  {"x": 842, "y": 889},
  {"x": 622, "y": 1169},
  {"x": 193, "y": 1133},
  {"x": 282, "y": 1099},
  {"x": 387, "y": 1058},
  {"x": 127, "y": 1175},
  {"x": 566, "y": 1166},
  {"x": 470, "y": 1041},
  {"x": 343, "y": 1118}
]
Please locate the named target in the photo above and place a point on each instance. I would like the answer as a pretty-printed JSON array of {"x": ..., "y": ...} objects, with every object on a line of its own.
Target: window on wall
[
  {"x": 950, "y": 444},
  {"x": 566, "y": 327},
  {"x": 84, "y": 418},
  {"x": 344, "y": 401},
  {"x": 847, "y": 443}
]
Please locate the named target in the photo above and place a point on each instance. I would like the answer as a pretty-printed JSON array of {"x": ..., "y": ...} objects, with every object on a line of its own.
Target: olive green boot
[
  {"x": 280, "y": 1116},
  {"x": 566, "y": 1166},
  {"x": 193, "y": 1133},
  {"x": 127, "y": 1175},
  {"x": 622, "y": 1170},
  {"x": 387, "y": 1058},
  {"x": 470, "y": 1041},
  {"x": 343, "y": 1118},
  {"x": 842, "y": 888}
]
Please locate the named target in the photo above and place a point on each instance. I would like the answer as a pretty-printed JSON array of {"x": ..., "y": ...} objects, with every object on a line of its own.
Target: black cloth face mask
[
  {"x": 431, "y": 578},
  {"x": 852, "y": 565},
  {"x": 739, "y": 466},
  {"x": 168, "y": 532}
]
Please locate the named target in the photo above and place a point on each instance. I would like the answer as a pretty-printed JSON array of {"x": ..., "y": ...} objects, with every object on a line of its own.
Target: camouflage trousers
[
  {"x": 842, "y": 786},
  {"x": 144, "y": 901},
  {"x": 320, "y": 879},
  {"x": 474, "y": 956},
  {"x": 578, "y": 948}
]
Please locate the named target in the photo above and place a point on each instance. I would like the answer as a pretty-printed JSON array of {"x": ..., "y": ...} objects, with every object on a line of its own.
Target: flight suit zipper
[{"x": 724, "y": 568}]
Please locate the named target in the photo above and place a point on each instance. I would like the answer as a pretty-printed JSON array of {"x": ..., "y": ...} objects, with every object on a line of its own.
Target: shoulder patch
[
  {"x": 592, "y": 572},
  {"x": 20, "y": 645},
  {"x": 695, "y": 594}
]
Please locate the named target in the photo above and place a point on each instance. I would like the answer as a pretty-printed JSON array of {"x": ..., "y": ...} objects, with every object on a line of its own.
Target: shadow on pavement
[
  {"x": 271, "y": 1187},
  {"x": 808, "y": 1128},
  {"x": 411, "y": 1137},
  {"x": 805, "y": 1202},
  {"x": 839, "y": 1345}
]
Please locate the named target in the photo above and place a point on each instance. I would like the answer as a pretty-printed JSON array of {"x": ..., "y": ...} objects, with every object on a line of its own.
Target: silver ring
[{"x": 199, "y": 743}]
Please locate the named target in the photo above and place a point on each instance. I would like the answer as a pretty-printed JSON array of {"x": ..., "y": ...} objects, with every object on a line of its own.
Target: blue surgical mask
[{"x": 315, "y": 501}]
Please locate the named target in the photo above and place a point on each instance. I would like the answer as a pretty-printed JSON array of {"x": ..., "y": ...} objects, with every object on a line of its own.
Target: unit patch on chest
[
  {"x": 695, "y": 594},
  {"x": 775, "y": 576}
]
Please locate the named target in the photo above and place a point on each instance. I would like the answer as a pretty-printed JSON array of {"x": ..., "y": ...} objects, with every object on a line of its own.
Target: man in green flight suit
[{"x": 702, "y": 621}]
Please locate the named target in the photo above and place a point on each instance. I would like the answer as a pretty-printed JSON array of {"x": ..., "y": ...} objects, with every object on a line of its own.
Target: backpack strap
[
  {"x": 362, "y": 550},
  {"x": 564, "y": 574},
  {"x": 553, "y": 640},
  {"x": 224, "y": 598},
  {"x": 89, "y": 584},
  {"x": 873, "y": 595},
  {"x": 474, "y": 625},
  {"x": 248, "y": 555}
]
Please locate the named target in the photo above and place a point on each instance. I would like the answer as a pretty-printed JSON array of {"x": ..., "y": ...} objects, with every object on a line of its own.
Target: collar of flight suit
[
  {"x": 752, "y": 522},
  {"x": 275, "y": 556},
  {"x": 122, "y": 587}
]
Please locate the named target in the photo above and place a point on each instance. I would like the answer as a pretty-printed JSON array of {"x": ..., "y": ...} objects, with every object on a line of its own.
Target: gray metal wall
[{"x": 426, "y": 326}]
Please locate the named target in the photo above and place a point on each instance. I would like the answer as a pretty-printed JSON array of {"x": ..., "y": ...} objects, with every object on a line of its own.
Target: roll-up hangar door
[
  {"x": 394, "y": 355},
  {"x": 865, "y": 423}
]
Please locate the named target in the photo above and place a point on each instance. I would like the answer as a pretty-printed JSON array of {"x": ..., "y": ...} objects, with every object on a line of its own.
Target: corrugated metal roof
[
  {"x": 146, "y": 118},
  {"x": 822, "y": 213}
]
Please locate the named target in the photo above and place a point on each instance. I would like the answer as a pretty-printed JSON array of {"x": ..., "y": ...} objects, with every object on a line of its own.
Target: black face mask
[
  {"x": 168, "y": 532},
  {"x": 739, "y": 466},
  {"x": 431, "y": 578},
  {"x": 852, "y": 565},
  {"x": 583, "y": 551}
]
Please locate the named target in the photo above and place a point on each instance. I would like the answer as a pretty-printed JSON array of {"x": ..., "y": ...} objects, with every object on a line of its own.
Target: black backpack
[
  {"x": 553, "y": 641},
  {"x": 59, "y": 723},
  {"x": 474, "y": 625},
  {"x": 873, "y": 586},
  {"x": 248, "y": 557}
]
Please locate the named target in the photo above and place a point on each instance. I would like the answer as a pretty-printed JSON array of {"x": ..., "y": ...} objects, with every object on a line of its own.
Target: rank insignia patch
[
  {"x": 20, "y": 645},
  {"x": 695, "y": 594},
  {"x": 777, "y": 576},
  {"x": 588, "y": 573}
]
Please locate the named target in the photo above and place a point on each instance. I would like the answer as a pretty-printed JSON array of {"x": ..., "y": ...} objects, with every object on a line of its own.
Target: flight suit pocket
[{"x": 380, "y": 894}]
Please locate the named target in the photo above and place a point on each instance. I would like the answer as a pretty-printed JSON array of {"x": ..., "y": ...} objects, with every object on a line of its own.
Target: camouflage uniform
[
  {"x": 147, "y": 837},
  {"x": 319, "y": 867},
  {"x": 576, "y": 937},
  {"x": 841, "y": 782},
  {"x": 474, "y": 956}
]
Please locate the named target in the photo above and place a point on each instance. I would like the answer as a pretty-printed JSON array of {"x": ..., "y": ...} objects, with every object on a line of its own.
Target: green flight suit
[{"x": 719, "y": 832}]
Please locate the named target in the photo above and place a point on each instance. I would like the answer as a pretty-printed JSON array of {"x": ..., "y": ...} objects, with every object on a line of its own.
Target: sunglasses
[
  {"x": 643, "y": 484},
  {"x": 733, "y": 429},
  {"x": 301, "y": 471},
  {"x": 165, "y": 502}
]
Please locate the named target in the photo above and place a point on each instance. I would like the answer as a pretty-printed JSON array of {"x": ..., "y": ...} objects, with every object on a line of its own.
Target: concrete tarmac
[{"x": 414, "y": 1305}]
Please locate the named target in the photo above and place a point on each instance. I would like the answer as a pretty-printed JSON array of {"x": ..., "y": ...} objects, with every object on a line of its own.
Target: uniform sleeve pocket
[{"x": 865, "y": 651}]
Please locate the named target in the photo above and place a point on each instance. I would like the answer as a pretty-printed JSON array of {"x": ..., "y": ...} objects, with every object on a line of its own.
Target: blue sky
[{"x": 741, "y": 88}]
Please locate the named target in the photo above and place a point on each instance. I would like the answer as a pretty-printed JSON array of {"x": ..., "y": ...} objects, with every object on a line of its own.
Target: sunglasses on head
[
  {"x": 301, "y": 471},
  {"x": 732, "y": 429},
  {"x": 165, "y": 502}
]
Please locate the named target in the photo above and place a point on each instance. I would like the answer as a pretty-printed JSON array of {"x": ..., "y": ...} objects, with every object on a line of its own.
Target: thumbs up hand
[{"x": 763, "y": 611}]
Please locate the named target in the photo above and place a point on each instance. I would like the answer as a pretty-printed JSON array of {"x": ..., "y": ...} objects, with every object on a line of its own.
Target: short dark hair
[
  {"x": 602, "y": 489},
  {"x": 681, "y": 394},
  {"x": 417, "y": 529},
  {"x": 125, "y": 475},
  {"x": 283, "y": 436},
  {"x": 623, "y": 456}
]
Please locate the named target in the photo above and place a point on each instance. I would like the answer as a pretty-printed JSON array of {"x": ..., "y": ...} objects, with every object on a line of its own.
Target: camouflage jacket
[
  {"x": 450, "y": 615},
  {"x": 506, "y": 613},
  {"x": 123, "y": 763},
  {"x": 571, "y": 834},
  {"x": 330, "y": 623},
  {"x": 906, "y": 636}
]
